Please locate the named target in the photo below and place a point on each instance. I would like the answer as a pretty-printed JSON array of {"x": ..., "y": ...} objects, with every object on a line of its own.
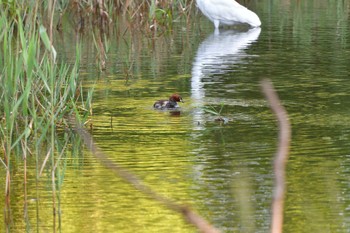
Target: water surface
[{"x": 223, "y": 171}]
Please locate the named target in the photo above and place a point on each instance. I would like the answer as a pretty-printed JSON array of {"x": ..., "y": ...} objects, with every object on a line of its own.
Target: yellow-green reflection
[
  {"x": 151, "y": 144},
  {"x": 303, "y": 47}
]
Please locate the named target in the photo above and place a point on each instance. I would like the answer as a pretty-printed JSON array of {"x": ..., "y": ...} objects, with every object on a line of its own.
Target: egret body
[{"x": 227, "y": 12}]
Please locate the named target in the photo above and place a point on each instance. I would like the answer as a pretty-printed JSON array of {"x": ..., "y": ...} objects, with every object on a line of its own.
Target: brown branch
[
  {"x": 7, "y": 204},
  {"x": 281, "y": 155},
  {"x": 52, "y": 12},
  {"x": 201, "y": 224}
]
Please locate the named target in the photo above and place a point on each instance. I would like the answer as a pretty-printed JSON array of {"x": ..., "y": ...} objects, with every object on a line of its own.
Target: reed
[
  {"x": 152, "y": 15},
  {"x": 38, "y": 93}
]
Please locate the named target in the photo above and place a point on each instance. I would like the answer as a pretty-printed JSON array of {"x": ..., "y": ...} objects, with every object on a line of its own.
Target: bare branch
[
  {"x": 281, "y": 155},
  {"x": 201, "y": 224}
]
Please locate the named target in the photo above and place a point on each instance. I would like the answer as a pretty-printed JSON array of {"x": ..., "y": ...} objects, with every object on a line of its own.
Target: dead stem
[
  {"x": 25, "y": 207},
  {"x": 51, "y": 14},
  {"x": 8, "y": 199},
  {"x": 53, "y": 181},
  {"x": 201, "y": 224},
  {"x": 7, "y": 215},
  {"x": 281, "y": 155},
  {"x": 44, "y": 162}
]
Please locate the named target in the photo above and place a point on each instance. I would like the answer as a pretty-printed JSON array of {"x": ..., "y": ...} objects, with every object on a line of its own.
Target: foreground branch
[
  {"x": 281, "y": 155},
  {"x": 201, "y": 224}
]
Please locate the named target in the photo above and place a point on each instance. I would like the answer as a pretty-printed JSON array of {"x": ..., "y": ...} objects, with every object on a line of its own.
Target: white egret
[{"x": 227, "y": 12}]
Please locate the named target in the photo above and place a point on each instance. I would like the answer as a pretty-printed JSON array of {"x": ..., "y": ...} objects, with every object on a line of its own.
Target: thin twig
[
  {"x": 281, "y": 155},
  {"x": 24, "y": 148},
  {"x": 44, "y": 162},
  {"x": 192, "y": 217}
]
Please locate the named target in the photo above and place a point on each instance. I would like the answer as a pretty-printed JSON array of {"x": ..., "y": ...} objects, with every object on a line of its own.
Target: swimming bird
[
  {"x": 171, "y": 103},
  {"x": 227, "y": 12}
]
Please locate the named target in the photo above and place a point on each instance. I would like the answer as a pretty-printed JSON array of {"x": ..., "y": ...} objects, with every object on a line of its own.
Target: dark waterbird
[{"x": 171, "y": 103}]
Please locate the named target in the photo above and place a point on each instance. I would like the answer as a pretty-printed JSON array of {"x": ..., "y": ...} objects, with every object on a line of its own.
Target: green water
[{"x": 223, "y": 171}]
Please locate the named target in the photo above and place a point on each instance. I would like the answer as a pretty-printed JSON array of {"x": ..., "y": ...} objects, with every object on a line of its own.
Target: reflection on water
[
  {"x": 217, "y": 55},
  {"x": 223, "y": 171}
]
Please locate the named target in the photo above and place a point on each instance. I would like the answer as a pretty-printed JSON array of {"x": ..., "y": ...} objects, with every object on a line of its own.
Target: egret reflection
[{"x": 216, "y": 55}]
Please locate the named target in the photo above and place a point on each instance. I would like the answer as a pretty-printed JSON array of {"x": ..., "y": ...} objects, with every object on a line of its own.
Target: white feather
[{"x": 228, "y": 12}]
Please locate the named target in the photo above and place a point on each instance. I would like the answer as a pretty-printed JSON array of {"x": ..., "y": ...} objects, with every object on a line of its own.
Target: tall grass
[
  {"x": 152, "y": 15},
  {"x": 37, "y": 96},
  {"x": 150, "y": 18}
]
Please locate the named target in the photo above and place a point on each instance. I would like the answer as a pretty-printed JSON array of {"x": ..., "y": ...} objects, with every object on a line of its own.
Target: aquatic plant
[
  {"x": 152, "y": 15},
  {"x": 212, "y": 110},
  {"x": 216, "y": 112},
  {"x": 38, "y": 93}
]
